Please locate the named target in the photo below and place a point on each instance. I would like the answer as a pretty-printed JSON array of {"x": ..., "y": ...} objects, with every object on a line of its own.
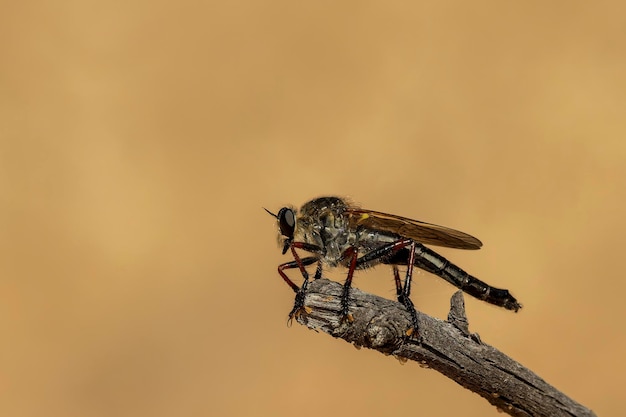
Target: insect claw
[{"x": 347, "y": 317}]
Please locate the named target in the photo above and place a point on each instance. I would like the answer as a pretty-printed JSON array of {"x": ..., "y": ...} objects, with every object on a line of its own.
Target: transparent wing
[{"x": 427, "y": 233}]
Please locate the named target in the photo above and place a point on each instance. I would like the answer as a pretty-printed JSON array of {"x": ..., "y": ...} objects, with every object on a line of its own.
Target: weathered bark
[{"x": 445, "y": 346}]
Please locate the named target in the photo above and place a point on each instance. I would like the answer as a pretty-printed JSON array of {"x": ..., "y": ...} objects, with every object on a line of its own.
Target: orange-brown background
[{"x": 139, "y": 141}]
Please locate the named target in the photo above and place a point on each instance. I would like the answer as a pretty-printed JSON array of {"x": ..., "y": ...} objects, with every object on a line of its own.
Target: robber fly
[{"x": 337, "y": 233}]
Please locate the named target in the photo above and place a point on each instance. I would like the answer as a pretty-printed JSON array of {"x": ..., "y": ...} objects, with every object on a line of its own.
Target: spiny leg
[
  {"x": 300, "y": 292},
  {"x": 405, "y": 298},
  {"x": 377, "y": 255},
  {"x": 402, "y": 293},
  {"x": 351, "y": 253},
  {"x": 380, "y": 254},
  {"x": 300, "y": 264},
  {"x": 398, "y": 282}
]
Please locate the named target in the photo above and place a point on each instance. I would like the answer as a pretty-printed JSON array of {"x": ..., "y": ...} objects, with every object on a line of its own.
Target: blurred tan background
[{"x": 139, "y": 141}]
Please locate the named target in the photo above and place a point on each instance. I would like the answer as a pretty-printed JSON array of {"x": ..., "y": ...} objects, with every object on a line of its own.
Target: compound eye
[{"x": 287, "y": 221}]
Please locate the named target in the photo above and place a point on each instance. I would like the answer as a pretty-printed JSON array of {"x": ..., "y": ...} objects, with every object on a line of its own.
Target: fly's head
[{"x": 286, "y": 220}]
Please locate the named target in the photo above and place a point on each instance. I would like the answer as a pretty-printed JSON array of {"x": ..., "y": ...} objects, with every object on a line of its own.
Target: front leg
[
  {"x": 300, "y": 291},
  {"x": 301, "y": 264}
]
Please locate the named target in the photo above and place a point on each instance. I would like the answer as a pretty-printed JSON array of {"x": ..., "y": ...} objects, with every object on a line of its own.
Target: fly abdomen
[
  {"x": 477, "y": 288},
  {"x": 434, "y": 263}
]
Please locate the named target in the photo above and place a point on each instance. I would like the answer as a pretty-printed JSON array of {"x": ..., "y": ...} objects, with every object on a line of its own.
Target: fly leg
[
  {"x": 398, "y": 282},
  {"x": 406, "y": 291},
  {"x": 402, "y": 293},
  {"x": 300, "y": 263},
  {"x": 405, "y": 300},
  {"x": 300, "y": 291},
  {"x": 352, "y": 253},
  {"x": 318, "y": 270}
]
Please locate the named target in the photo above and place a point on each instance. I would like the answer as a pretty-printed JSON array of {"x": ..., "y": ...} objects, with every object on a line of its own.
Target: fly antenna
[{"x": 272, "y": 214}]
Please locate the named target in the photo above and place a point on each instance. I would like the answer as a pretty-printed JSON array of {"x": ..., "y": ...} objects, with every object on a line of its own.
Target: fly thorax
[{"x": 334, "y": 236}]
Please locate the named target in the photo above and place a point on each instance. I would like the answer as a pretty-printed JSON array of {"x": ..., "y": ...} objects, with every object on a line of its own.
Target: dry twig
[{"x": 445, "y": 346}]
